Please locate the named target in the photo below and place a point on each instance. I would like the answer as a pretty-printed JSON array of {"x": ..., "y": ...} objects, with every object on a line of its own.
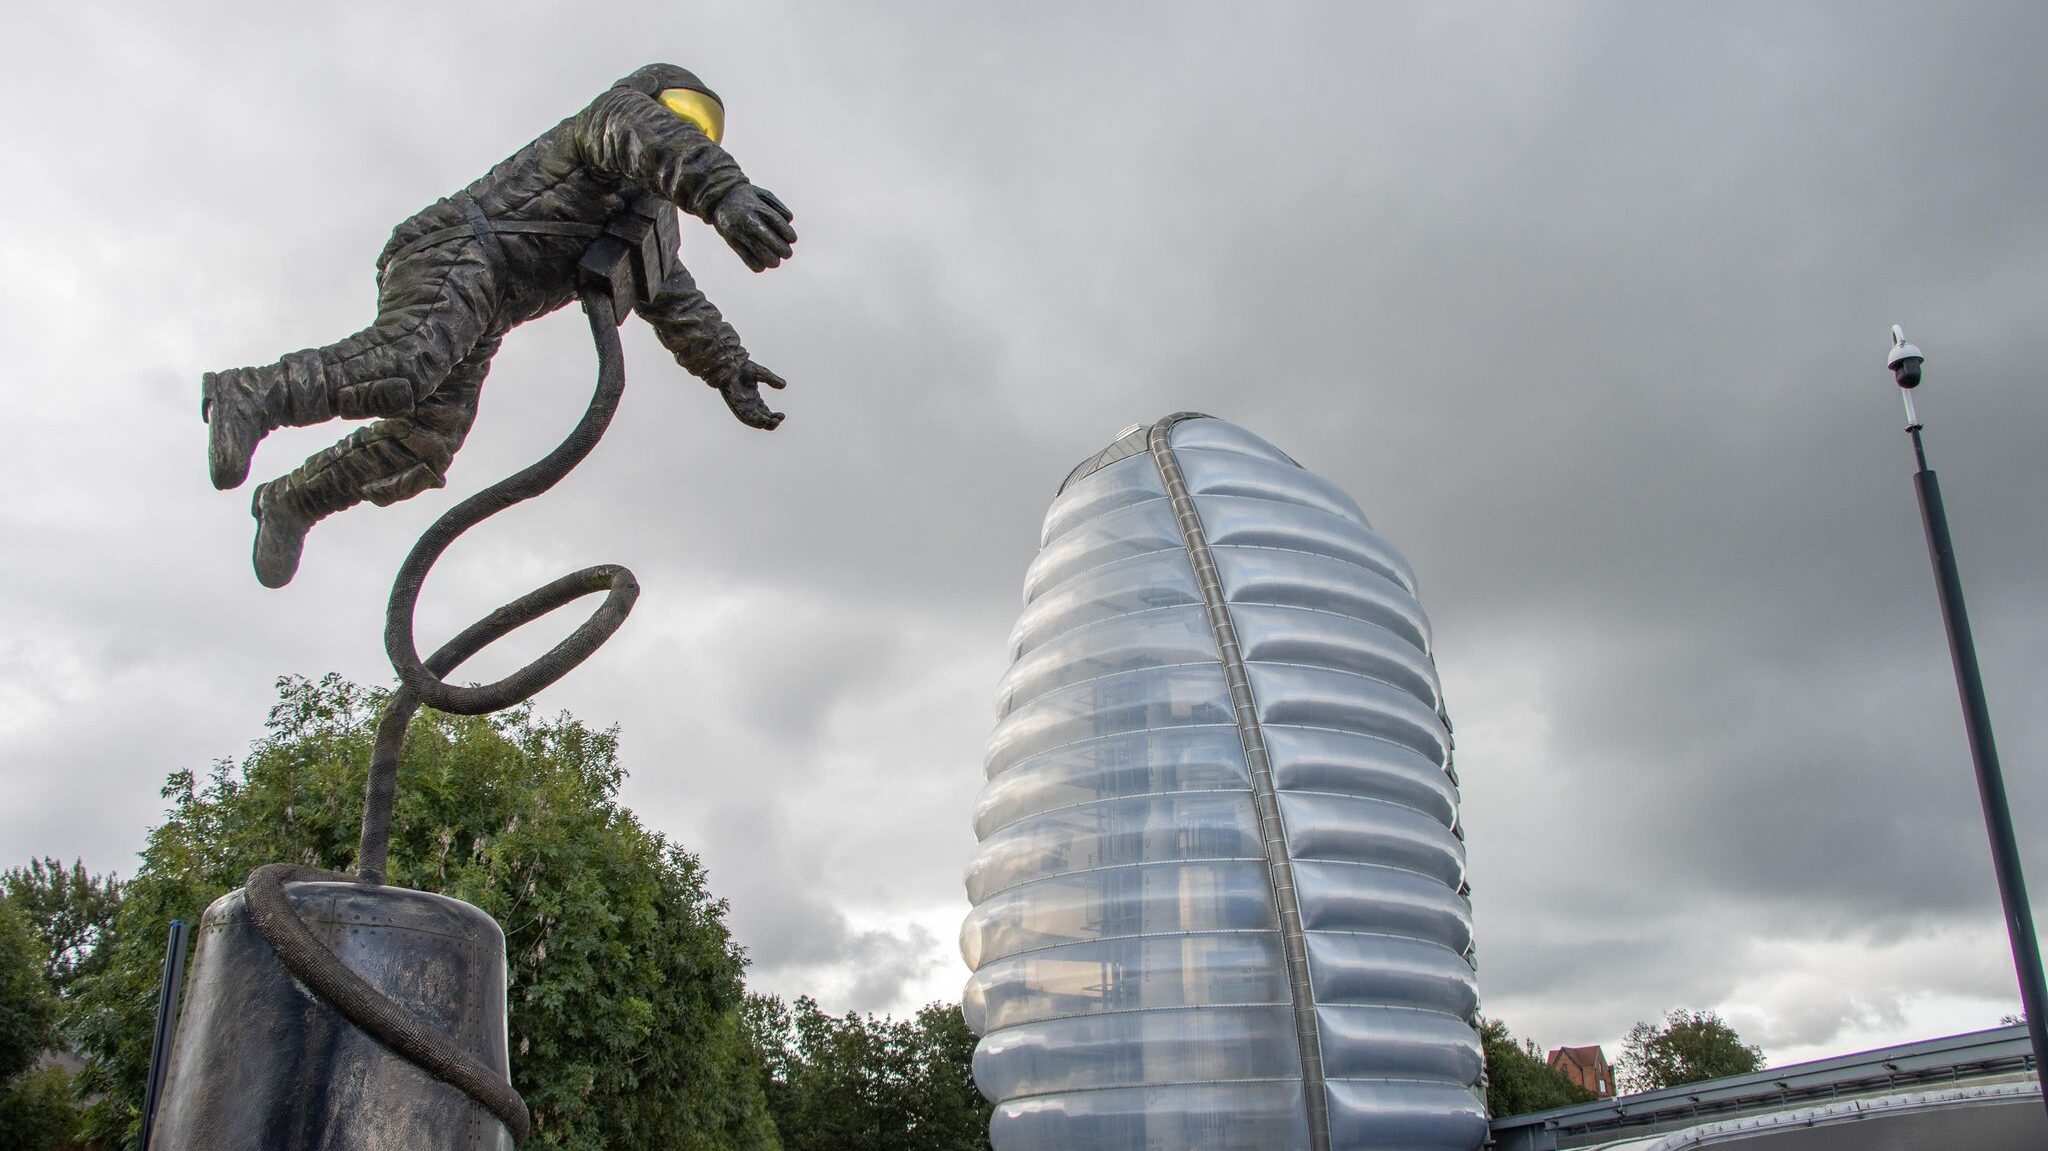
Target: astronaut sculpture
[
  {"x": 335, "y": 1010},
  {"x": 511, "y": 247}
]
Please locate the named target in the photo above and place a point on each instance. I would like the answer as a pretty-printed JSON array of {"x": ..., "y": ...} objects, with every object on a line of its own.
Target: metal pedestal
[{"x": 260, "y": 1064}]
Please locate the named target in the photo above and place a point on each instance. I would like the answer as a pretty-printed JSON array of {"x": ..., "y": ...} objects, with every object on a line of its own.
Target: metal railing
[{"x": 1976, "y": 1055}]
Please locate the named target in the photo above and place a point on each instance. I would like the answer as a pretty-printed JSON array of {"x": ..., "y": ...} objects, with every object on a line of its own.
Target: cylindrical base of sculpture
[{"x": 260, "y": 1064}]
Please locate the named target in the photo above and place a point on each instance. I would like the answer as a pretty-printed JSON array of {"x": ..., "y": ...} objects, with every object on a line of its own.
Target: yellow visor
[{"x": 698, "y": 108}]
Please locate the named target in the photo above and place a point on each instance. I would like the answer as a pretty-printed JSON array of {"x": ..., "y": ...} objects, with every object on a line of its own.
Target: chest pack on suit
[{"x": 637, "y": 252}]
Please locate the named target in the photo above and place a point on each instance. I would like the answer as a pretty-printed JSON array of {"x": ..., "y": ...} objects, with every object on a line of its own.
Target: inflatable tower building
[{"x": 1220, "y": 897}]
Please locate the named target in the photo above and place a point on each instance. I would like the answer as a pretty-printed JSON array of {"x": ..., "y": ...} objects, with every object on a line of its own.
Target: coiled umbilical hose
[{"x": 423, "y": 682}]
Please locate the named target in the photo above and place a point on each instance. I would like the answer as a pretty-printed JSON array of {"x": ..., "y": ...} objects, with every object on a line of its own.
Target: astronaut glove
[
  {"x": 742, "y": 391},
  {"x": 756, "y": 225}
]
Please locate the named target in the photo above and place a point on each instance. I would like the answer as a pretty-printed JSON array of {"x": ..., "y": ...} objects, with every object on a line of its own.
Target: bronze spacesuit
[{"x": 459, "y": 275}]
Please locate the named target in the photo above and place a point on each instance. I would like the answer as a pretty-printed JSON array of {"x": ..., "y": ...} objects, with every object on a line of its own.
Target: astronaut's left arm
[
  {"x": 707, "y": 347},
  {"x": 632, "y": 137}
]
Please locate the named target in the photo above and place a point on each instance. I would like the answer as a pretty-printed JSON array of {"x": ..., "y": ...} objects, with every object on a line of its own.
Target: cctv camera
[{"x": 1905, "y": 360}]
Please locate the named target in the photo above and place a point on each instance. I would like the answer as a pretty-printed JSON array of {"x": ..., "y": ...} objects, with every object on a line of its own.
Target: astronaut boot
[
  {"x": 287, "y": 508},
  {"x": 281, "y": 529},
  {"x": 240, "y": 407}
]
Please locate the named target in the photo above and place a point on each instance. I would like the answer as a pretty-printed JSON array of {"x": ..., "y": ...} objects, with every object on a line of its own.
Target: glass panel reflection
[
  {"x": 1160, "y": 579},
  {"x": 1148, "y": 899},
  {"x": 1213, "y": 1116},
  {"x": 1147, "y": 829},
  {"x": 1111, "y": 705},
  {"x": 1135, "y": 763},
  {"x": 1135, "y": 974},
  {"x": 1136, "y": 1048},
  {"x": 1136, "y": 530},
  {"x": 1162, "y": 638},
  {"x": 1121, "y": 484}
]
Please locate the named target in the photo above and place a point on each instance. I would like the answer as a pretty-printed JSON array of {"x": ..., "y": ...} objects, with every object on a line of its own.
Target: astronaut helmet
[{"x": 679, "y": 90}]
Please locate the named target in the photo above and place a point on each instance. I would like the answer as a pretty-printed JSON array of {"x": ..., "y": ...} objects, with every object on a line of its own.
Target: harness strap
[{"x": 479, "y": 226}]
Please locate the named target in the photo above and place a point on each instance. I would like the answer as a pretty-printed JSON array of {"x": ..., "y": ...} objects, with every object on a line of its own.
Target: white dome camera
[{"x": 1905, "y": 359}]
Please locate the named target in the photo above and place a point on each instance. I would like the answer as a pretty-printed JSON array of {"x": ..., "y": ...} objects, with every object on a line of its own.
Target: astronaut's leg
[
  {"x": 432, "y": 307},
  {"x": 390, "y": 460}
]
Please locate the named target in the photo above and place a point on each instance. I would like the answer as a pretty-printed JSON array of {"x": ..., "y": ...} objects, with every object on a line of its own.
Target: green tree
[
  {"x": 1690, "y": 1047},
  {"x": 36, "y": 1109},
  {"x": 624, "y": 985},
  {"x": 28, "y": 1011},
  {"x": 39, "y": 1111},
  {"x": 943, "y": 1094},
  {"x": 867, "y": 1083},
  {"x": 73, "y": 912},
  {"x": 1517, "y": 1081}
]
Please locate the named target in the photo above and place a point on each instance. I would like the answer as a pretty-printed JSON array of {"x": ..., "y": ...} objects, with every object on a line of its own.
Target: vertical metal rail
[
  {"x": 1272, "y": 830},
  {"x": 168, "y": 988}
]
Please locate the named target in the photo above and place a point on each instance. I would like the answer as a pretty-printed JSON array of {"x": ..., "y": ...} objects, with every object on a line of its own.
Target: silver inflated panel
[
  {"x": 1138, "y": 1048},
  {"x": 1150, "y": 899},
  {"x": 1153, "y": 762},
  {"x": 1134, "y": 973},
  {"x": 1128, "y": 481},
  {"x": 1161, "y": 637},
  {"x": 1242, "y": 1116},
  {"x": 1140, "y": 529},
  {"x": 1408, "y": 1114},
  {"x": 1112, "y": 833},
  {"x": 1190, "y": 695},
  {"x": 1136, "y": 583}
]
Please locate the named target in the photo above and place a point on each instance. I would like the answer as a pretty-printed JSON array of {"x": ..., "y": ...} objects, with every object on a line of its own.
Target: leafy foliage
[
  {"x": 28, "y": 1011},
  {"x": 624, "y": 985},
  {"x": 1692, "y": 1046},
  {"x": 36, "y": 1109},
  {"x": 862, "y": 1083},
  {"x": 72, "y": 911},
  {"x": 1517, "y": 1079}
]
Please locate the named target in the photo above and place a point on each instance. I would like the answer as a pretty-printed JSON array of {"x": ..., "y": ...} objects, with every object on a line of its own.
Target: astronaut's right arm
[{"x": 707, "y": 347}]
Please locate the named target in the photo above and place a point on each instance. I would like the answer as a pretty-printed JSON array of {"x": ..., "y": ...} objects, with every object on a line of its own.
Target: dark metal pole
[
  {"x": 2005, "y": 849},
  {"x": 166, "y": 1024}
]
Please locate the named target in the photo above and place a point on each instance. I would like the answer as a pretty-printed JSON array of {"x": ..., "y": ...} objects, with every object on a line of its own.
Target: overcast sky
[{"x": 1586, "y": 305}]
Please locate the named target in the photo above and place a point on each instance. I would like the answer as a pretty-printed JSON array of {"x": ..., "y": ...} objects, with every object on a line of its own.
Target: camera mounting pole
[{"x": 1905, "y": 364}]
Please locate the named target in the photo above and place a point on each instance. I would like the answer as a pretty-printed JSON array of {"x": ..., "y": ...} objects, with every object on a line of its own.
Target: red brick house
[{"x": 1585, "y": 1066}]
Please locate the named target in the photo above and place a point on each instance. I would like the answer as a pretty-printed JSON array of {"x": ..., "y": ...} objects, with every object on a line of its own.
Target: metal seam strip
[{"x": 1272, "y": 830}]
